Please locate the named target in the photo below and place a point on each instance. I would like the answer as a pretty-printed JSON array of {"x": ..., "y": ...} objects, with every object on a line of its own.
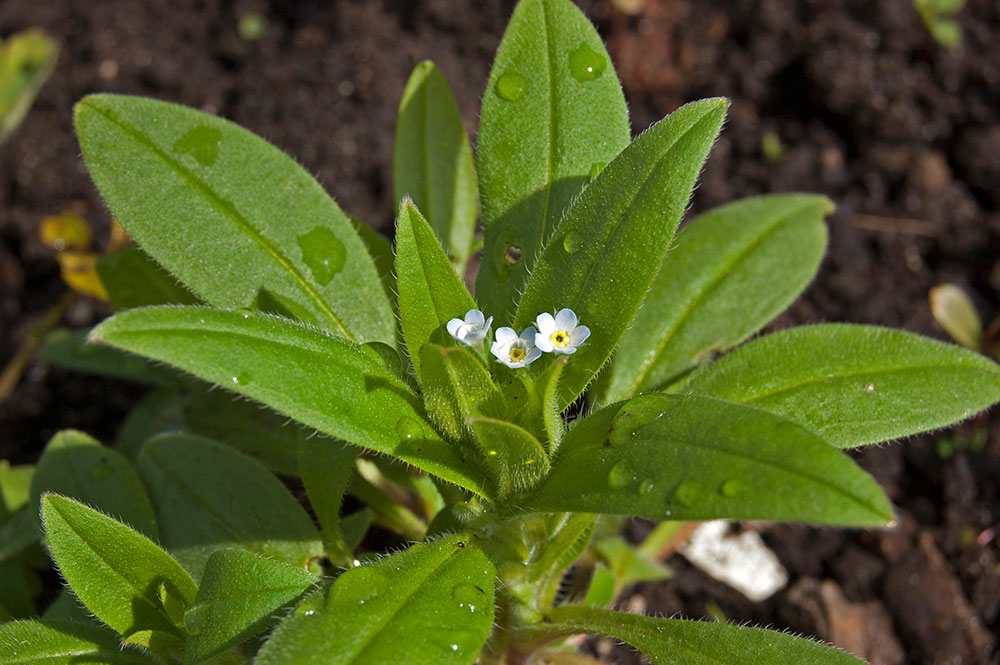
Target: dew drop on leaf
[
  {"x": 310, "y": 606},
  {"x": 323, "y": 253},
  {"x": 409, "y": 429},
  {"x": 358, "y": 586},
  {"x": 731, "y": 487},
  {"x": 572, "y": 242},
  {"x": 688, "y": 493},
  {"x": 621, "y": 475},
  {"x": 586, "y": 64},
  {"x": 202, "y": 143},
  {"x": 513, "y": 255},
  {"x": 511, "y": 86},
  {"x": 647, "y": 486},
  {"x": 243, "y": 378},
  {"x": 468, "y": 596}
]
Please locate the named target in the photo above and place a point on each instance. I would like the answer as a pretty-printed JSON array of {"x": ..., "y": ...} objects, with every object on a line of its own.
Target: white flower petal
[
  {"x": 454, "y": 326},
  {"x": 566, "y": 320},
  {"x": 543, "y": 342},
  {"x": 534, "y": 354},
  {"x": 546, "y": 324},
  {"x": 474, "y": 318},
  {"x": 486, "y": 326},
  {"x": 505, "y": 335},
  {"x": 527, "y": 337},
  {"x": 499, "y": 349},
  {"x": 579, "y": 335}
]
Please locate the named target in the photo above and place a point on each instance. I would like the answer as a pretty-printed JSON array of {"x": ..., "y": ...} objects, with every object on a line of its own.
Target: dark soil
[{"x": 901, "y": 133}]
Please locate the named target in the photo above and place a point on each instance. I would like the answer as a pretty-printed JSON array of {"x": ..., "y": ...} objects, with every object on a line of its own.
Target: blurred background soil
[{"x": 851, "y": 98}]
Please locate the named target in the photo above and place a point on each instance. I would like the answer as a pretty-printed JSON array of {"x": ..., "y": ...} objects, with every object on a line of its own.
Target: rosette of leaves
[{"x": 184, "y": 546}]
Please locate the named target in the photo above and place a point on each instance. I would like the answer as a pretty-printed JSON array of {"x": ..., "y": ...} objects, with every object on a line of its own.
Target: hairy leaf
[
  {"x": 54, "y": 642},
  {"x": 734, "y": 269},
  {"x": 854, "y": 385},
  {"x": 229, "y": 214},
  {"x": 679, "y": 642},
  {"x": 432, "y": 161},
  {"x": 70, "y": 349},
  {"x": 320, "y": 380},
  {"x": 239, "y": 595},
  {"x": 325, "y": 466},
  {"x": 689, "y": 457},
  {"x": 429, "y": 605},
  {"x": 430, "y": 293},
  {"x": 553, "y": 116},
  {"x": 609, "y": 246},
  {"x": 209, "y": 497},
  {"x": 121, "y": 576}
]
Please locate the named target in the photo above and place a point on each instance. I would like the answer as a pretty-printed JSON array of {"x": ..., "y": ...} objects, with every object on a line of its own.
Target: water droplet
[
  {"x": 512, "y": 255},
  {"x": 620, "y": 475},
  {"x": 687, "y": 493},
  {"x": 409, "y": 429},
  {"x": 243, "y": 378},
  {"x": 245, "y": 312},
  {"x": 310, "y": 606},
  {"x": 202, "y": 143},
  {"x": 731, "y": 487},
  {"x": 195, "y": 618},
  {"x": 586, "y": 64},
  {"x": 468, "y": 596},
  {"x": 359, "y": 585},
  {"x": 511, "y": 86},
  {"x": 323, "y": 252},
  {"x": 647, "y": 486},
  {"x": 572, "y": 242},
  {"x": 869, "y": 387},
  {"x": 101, "y": 472}
]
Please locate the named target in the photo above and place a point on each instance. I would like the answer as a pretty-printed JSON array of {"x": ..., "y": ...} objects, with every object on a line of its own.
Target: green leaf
[
  {"x": 19, "y": 585},
  {"x": 228, "y": 214},
  {"x": 430, "y": 293},
  {"x": 609, "y": 246},
  {"x": 553, "y": 115},
  {"x": 432, "y": 161},
  {"x": 320, "y": 380},
  {"x": 71, "y": 350},
  {"x": 15, "y": 488},
  {"x": 209, "y": 497},
  {"x": 132, "y": 279},
  {"x": 456, "y": 386},
  {"x": 382, "y": 254},
  {"x": 854, "y": 385},
  {"x": 326, "y": 467},
  {"x": 734, "y": 269},
  {"x": 515, "y": 459},
  {"x": 689, "y": 457},
  {"x": 680, "y": 642},
  {"x": 431, "y": 604},
  {"x": 65, "y": 643},
  {"x": 77, "y": 466},
  {"x": 239, "y": 595},
  {"x": 121, "y": 576},
  {"x": 629, "y": 563}
]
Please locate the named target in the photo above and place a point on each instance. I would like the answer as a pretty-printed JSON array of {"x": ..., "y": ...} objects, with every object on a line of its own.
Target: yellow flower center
[
  {"x": 559, "y": 338},
  {"x": 517, "y": 354}
]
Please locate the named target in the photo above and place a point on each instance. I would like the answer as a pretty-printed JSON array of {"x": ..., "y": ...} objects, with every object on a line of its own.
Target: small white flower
[
  {"x": 560, "y": 334},
  {"x": 515, "y": 350},
  {"x": 472, "y": 330}
]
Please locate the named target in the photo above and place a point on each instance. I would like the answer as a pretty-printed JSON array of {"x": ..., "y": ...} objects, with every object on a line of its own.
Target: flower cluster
[{"x": 550, "y": 334}]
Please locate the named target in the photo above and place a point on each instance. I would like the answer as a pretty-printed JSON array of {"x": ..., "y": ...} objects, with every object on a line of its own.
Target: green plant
[
  {"x": 938, "y": 17},
  {"x": 26, "y": 60},
  {"x": 506, "y": 460}
]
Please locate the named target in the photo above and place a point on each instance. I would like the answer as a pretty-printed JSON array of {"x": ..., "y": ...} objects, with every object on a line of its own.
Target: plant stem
[{"x": 29, "y": 347}]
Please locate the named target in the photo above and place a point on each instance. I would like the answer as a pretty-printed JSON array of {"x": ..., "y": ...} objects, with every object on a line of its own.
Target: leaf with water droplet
[
  {"x": 231, "y": 229},
  {"x": 239, "y": 596},
  {"x": 540, "y": 132},
  {"x": 425, "y": 619},
  {"x": 731, "y": 488},
  {"x": 586, "y": 64},
  {"x": 696, "y": 444},
  {"x": 323, "y": 252},
  {"x": 202, "y": 143}
]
